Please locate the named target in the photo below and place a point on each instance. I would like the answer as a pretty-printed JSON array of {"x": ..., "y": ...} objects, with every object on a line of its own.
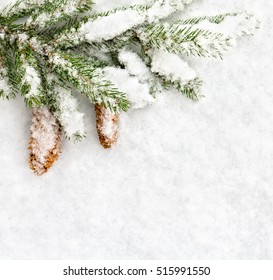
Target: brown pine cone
[
  {"x": 45, "y": 140},
  {"x": 107, "y": 126}
]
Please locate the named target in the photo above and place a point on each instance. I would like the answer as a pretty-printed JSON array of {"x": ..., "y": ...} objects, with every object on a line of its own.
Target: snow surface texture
[{"x": 185, "y": 181}]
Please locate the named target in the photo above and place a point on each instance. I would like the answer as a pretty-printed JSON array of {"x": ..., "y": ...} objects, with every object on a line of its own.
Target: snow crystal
[
  {"x": 137, "y": 93},
  {"x": 171, "y": 66}
]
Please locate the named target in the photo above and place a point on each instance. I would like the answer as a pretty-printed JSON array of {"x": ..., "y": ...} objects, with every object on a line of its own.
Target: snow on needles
[
  {"x": 68, "y": 114},
  {"x": 171, "y": 66},
  {"x": 111, "y": 26},
  {"x": 164, "y": 8},
  {"x": 115, "y": 24},
  {"x": 32, "y": 79},
  {"x": 46, "y": 16},
  {"x": 135, "y": 65},
  {"x": 21, "y": 5},
  {"x": 4, "y": 86},
  {"x": 239, "y": 25},
  {"x": 137, "y": 93}
]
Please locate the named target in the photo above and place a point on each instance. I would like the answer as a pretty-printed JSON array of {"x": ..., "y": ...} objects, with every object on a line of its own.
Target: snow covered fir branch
[{"x": 52, "y": 51}]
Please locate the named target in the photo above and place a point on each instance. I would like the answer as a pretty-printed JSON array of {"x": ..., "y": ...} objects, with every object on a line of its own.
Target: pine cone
[
  {"x": 107, "y": 126},
  {"x": 45, "y": 141}
]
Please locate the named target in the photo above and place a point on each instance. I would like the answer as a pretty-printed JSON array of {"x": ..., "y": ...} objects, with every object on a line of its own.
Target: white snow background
[{"x": 185, "y": 181}]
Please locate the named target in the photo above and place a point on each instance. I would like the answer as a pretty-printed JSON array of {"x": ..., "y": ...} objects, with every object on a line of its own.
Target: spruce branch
[
  {"x": 180, "y": 75},
  {"x": 4, "y": 87},
  {"x": 109, "y": 46},
  {"x": 12, "y": 62},
  {"x": 191, "y": 89},
  {"x": 57, "y": 11},
  {"x": 213, "y": 19},
  {"x": 87, "y": 78},
  {"x": 106, "y": 26},
  {"x": 19, "y": 9},
  {"x": 137, "y": 93},
  {"x": 53, "y": 50},
  {"x": 153, "y": 11},
  {"x": 191, "y": 37},
  {"x": 65, "y": 108},
  {"x": 32, "y": 88},
  {"x": 19, "y": 6},
  {"x": 84, "y": 74},
  {"x": 137, "y": 67},
  {"x": 49, "y": 32},
  {"x": 5, "y": 91},
  {"x": 245, "y": 23},
  {"x": 183, "y": 39}
]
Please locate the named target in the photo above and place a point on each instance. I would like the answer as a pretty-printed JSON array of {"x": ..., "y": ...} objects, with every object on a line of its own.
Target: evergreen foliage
[{"x": 50, "y": 50}]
